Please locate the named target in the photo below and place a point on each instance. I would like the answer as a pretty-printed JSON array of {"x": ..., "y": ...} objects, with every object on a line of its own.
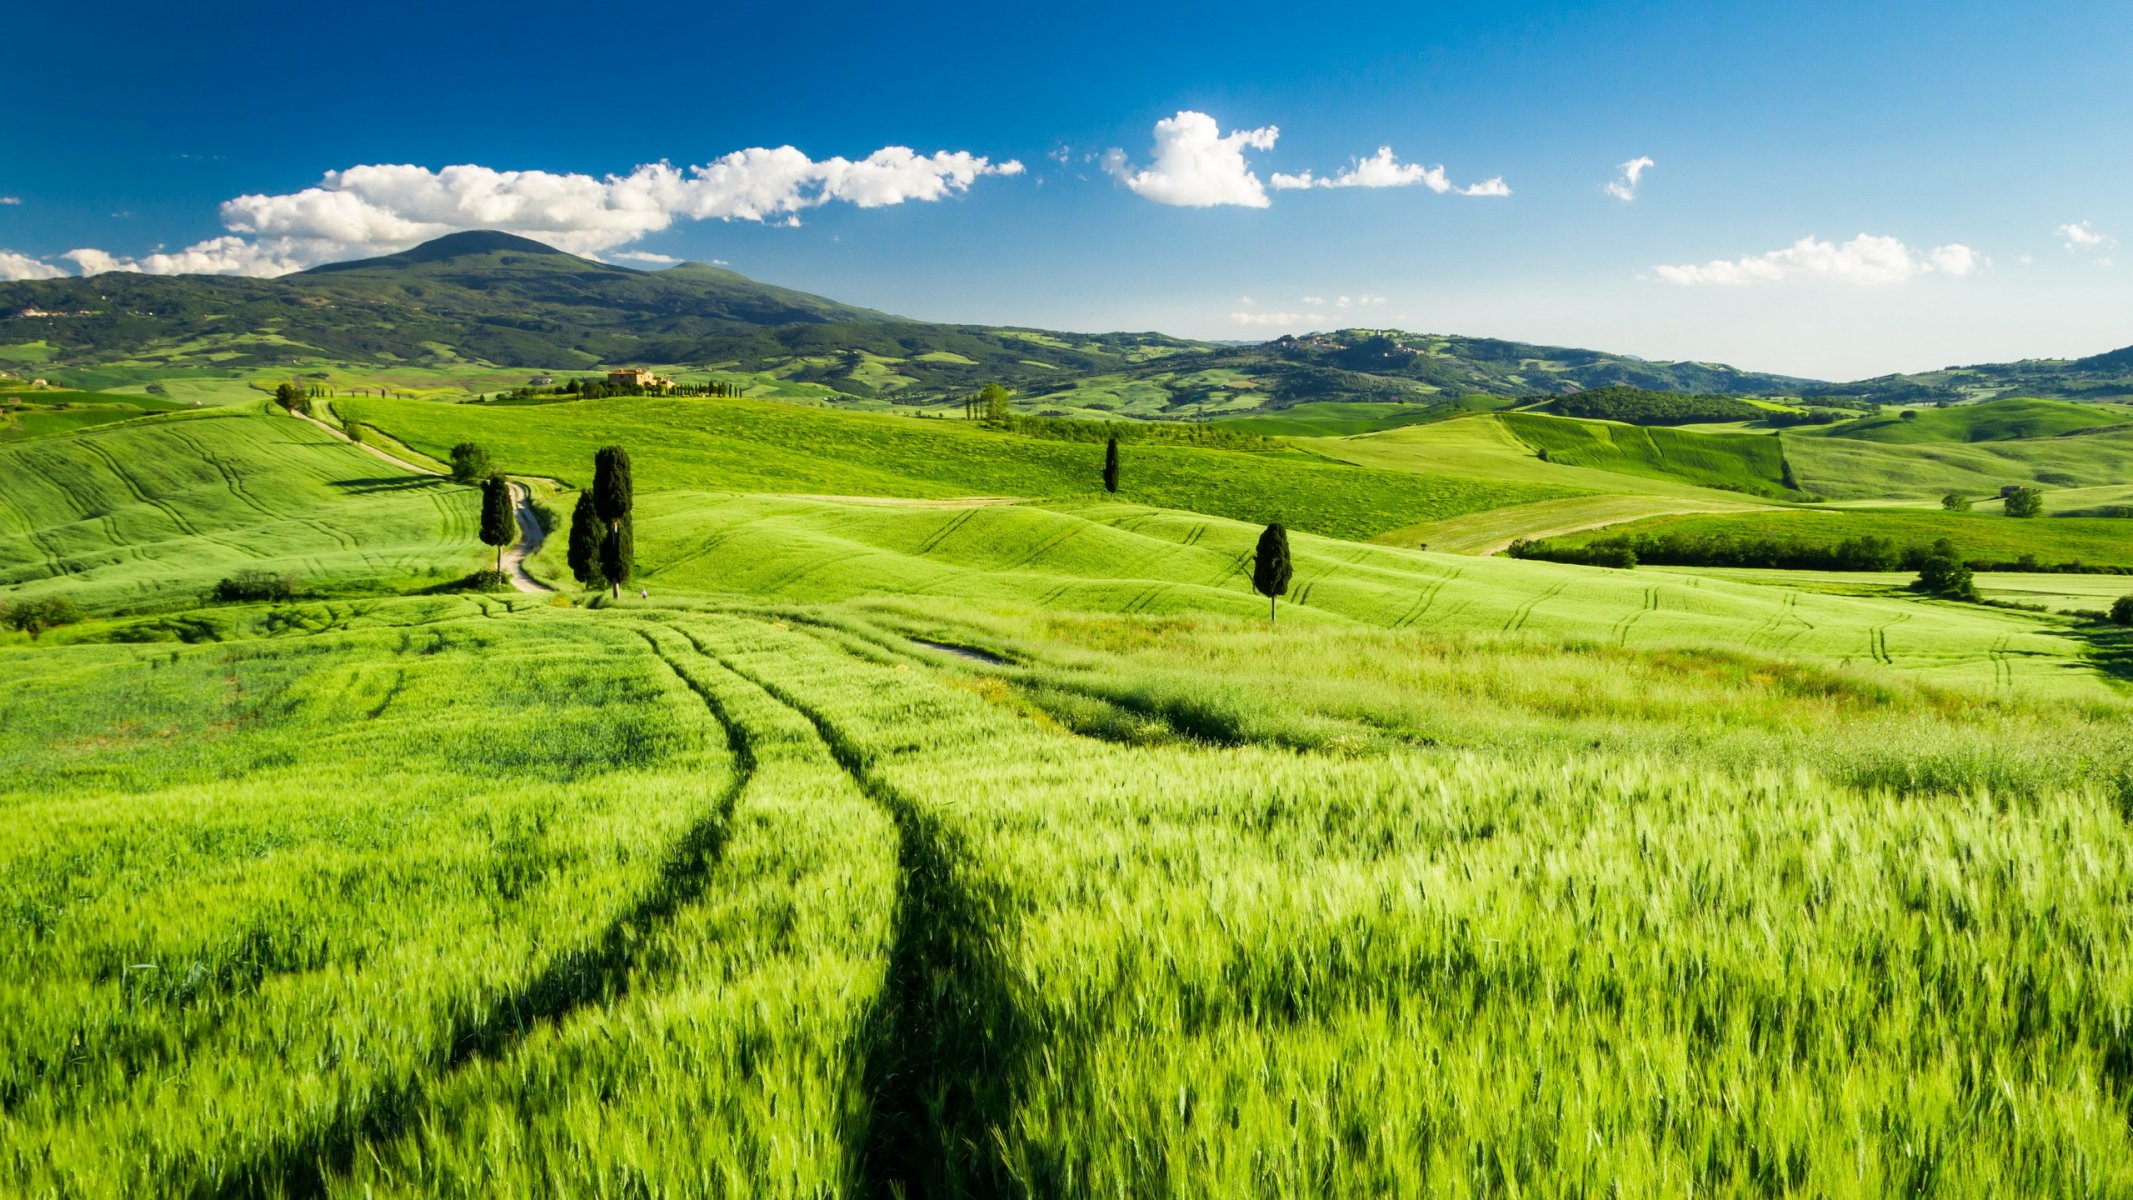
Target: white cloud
[
  {"x": 1288, "y": 319},
  {"x": 1865, "y": 260},
  {"x": 1315, "y": 301},
  {"x": 645, "y": 256},
  {"x": 2083, "y": 236},
  {"x": 10, "y": 200},
  {"x": 1197, "y": 165},
  {"x": 1383, "y": 170},
  {"x": 383, "y": 208},
  {"x": 21, "y": 266},
  {"x": 1624, "y": 186}
]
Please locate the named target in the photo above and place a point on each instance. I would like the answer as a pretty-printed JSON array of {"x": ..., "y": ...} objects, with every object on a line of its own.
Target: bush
[
  {"x": 1945, "y": 575},
  {"x": 470, "y": 463},
  {"x": 2122, "y": 611},
  {"x": 1955, "y": 502},
  {"x": 246, "y": 586},
  {"x": 35, "y": 616},
  {"x": 2025, "y": 502}
]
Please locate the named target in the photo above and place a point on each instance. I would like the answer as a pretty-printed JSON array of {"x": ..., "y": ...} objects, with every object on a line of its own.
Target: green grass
[
  {"x": 741, "y": 445},
  {"x": 1977, "y": 537},
  {"x": 153, "y": 513},
  {"x": 1172, "y": 906},
  {"x": 1100, "y": 557},
  {"x": 1748, "y": 463},
  {"x": 1991, "y": 421},
  {"x": 1854, "y": 469},
  {"x": 1334, "y": 418}
]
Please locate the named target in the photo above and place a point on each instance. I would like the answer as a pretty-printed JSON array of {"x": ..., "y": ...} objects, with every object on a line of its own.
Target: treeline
[
  {"x": 1864, "y": 553},
  {"x": 601, "y": 389},
  {"x": 1639, "y": 406}
]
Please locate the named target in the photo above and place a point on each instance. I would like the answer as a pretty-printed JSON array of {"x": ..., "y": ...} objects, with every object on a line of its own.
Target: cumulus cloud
[
  {"x": 383, "y": 208},
  {"x": 1383, "y": 170},
  {"x": 1866, "y": 260},
  {"x": 15, "y": 267},
  {"x": 2083, "y": 236},
  {"x": 645, "y": 256},
  {"x": 1286, "y": 319},
  {"x": 10, "y": 199},
  {"x": 1196, "y": 165},
  {"x": 1624, "y": 185}
]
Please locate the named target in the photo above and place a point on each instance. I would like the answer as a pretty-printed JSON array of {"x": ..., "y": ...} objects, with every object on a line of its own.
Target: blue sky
[{"x": 1831, "y": 192}]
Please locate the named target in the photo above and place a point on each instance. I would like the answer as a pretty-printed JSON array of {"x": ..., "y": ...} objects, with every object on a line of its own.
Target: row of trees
[{"x": 603, "y": 539}]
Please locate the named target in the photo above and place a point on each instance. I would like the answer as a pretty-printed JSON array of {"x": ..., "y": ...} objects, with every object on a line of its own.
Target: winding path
[{"x": 530, "y": 533}]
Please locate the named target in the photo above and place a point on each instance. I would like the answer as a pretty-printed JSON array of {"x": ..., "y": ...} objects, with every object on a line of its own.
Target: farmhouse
[{"x": 638, "y": 377}]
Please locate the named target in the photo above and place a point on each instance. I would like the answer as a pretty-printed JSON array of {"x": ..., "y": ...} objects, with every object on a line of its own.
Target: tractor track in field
[
  {"x": 942, "y": 534},
  {"x": 1427, "y": 597},
  {"x": 949, "y": 1042},
  {"x": 1524, "y": 612},
  {"x": 1651, "y": 605},
  {"x": 2002, "y": 664},
  {"x": 596, "y": 972}
]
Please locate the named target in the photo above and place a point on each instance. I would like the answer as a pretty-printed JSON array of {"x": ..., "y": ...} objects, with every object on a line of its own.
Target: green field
[
  {"x": 1992, "y": 421},
  {"x": 1977, "y": 536},
  {"x": 1739, "y": 462},
  {"x": 740, "y": 445},
  {"x": 941, "y": 825},
  {"x": 153, "y": 513}
]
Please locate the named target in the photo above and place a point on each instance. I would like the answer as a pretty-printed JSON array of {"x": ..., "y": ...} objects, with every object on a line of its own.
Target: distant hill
[
  {"x": 1988, "y": 421},
  {"x": 486, "y": 298},
  {"x": 2107, "y": 376}
]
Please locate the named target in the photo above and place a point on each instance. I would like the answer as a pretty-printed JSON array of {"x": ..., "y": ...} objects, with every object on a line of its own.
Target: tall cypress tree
[
  {"x": 1111, "y": 465},
  {"x": 618, "y": 550},
  {"x": 613, "y": 497},
  {"x": 499, "y": 525},
  {"x": 586, "y": 533},
  {"x": 1271, "y": 569}
]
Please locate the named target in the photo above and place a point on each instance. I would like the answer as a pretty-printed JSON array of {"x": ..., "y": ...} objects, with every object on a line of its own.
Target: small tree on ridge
[{"x": 1111, "y": 465}]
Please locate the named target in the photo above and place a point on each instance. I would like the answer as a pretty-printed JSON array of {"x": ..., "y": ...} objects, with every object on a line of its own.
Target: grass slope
[
  {"x": 154, "y": 512},
  {"x": 1856, "y": 469},
  {"x": 1748, "y": 463},
  {"x": 742, "y": 445},
  {"x": 1128, "y": 559},
  {"x": 1991, "y": 421}
]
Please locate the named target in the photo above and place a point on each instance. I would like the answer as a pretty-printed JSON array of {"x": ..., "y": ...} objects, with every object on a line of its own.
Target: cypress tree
[
  {"x": 618, "y": 551},
  {"x": 586, "y": 533},
  {"x": 1271, "y": 569},
  {"x": 499, "y": 525},
  {"x": 1111, "y": 465},
  {"x": 613, "y": 496}
]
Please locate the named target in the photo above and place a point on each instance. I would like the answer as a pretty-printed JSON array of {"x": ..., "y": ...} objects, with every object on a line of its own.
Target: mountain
[{"x": 487, "y": 298}]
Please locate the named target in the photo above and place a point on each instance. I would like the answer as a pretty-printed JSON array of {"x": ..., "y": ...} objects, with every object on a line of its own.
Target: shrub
[
  {"x": 247, "y": 586},
  {"x": 2122, "y": 611},
  {"x": 1945, "y": 575},
  {"x": 1909, "y": 414},
  {"x": 2025, "y": 502},
  {"x": 1955, "y": 502},
  {"x": 470, "y": 463},
  {"x": 35, "y": 616}
]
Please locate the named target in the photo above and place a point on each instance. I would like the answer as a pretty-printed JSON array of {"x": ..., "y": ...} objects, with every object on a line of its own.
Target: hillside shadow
[{"x": 2110, "y": 648}]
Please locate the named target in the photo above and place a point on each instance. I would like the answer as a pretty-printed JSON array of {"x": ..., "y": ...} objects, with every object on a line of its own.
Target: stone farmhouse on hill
[{"x": 639, "y": 377}]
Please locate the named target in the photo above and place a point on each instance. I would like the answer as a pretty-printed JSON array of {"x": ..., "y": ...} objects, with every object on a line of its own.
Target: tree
[
  {"x": 1909, "y": 414},
  {"x": 613, "y": 496},
  {"x": 586, "y": 534},
  {"x": 470, "y": 463},
  {"x": 33, "y": 617},
  {"x": 292, "y": 398},
  {"x": 1271, "y": 569},
  {"x": 352, "y": 430},
  {"x": 618, "y": 550},
  {"x": 2122, "y": 611},
  {"x": 2025, "y": 502},
  {"x": 499, "y": 524},
  {"x": 1955, "y": 502},
  {"x": 1111, "y": 465},
  {"x": 1944, "y": 574},
  {"x": 992, "y": 401}
]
